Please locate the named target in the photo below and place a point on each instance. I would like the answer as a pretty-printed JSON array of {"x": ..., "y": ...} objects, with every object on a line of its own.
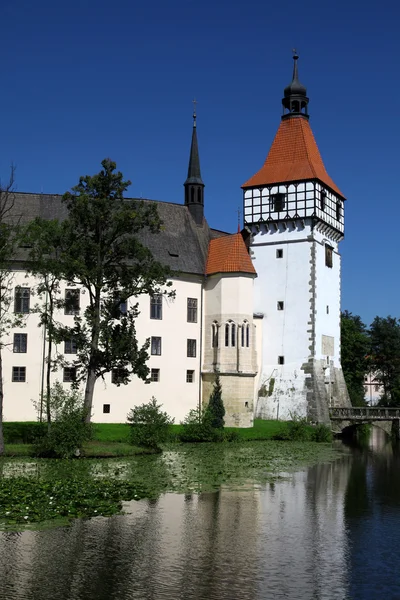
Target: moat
[{"x": 327, "y": 531}]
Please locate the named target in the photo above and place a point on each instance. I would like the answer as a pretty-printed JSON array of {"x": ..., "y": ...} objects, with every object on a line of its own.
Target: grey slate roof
[{"x": 181, "y": 244}]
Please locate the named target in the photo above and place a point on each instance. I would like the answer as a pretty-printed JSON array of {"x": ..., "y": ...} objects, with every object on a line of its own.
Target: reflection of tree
[{"x": 356, "y": 497}]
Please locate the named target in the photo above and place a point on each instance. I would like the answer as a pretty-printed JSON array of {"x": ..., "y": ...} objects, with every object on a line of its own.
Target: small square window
[
  {"x": 280, "y": 305},
  {"x": 22, "y": 300},
  {"x": 70, "y": 346},
  {"x": 281, "y": 360},
  {"x": 69, "y": 374},
  {"x": 20, "y": 342},
  {"x": 279, "y": 253},
  {"x": 19, "y": 374},
  {"x": 189, "y": 376},
  {"x": 328, "y": 256},
  {"x": 192, "y": 310},
  {"x": 155, "y": 375},
  {"x": 118, "y": 376},
  {"x": 72, "y": 301},
  {"x": 156, "y": 346},
  {"x": 156, "y": 306},
  {"x": 106, "y": 409},
  {"x": 191, "y": 348}
]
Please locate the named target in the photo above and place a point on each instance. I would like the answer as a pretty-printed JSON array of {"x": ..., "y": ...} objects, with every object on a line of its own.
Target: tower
[
  {"x": 294, "y": 214},
  {"x": 194, "y": 186}
]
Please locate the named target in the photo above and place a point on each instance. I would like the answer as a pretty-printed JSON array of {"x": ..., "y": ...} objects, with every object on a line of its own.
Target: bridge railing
[{"x": 364, "y": 413}]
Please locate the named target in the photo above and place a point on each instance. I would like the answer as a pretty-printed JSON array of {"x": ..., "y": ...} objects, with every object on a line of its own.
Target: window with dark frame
[
  {"x": 192, "y": 310},
  {"x": 156, "y": 307},
  {"x": 281, "y": 360},
  {"x": 189, "y": 376},
  {"x": 155, "y": 375},
  {"x": 70, "y": 346},
  {"x": 106, "y": 409},
  {"x": 279, "y": 253},
  {"x": 323, "y": 200},
  {"x": 20, "y": 343},
  {"x": 247, "y": 335},
  {"x": 69, "y": 374},
  {"x": 22, "y": 300},
  {"x": 156, "y": 346},
  {"x": 117, "y": 376},
  {"x": 72, "y": 301},
  {"x": 243, "y": 333},
  {"x": 19, "y": 374},
  {"x": 227, "y": 334},
  {"x": 338, "y": 210},
  {"x": 280, "y": 305},
  {"x": 214, "y": 335},
  {"x": 328, "y": 256},
  {"x": 191, "y": 348},
  {"x": 278, "y": 202}
]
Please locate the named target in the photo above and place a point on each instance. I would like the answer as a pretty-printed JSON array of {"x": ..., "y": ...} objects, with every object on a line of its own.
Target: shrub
[
  {"x": 216, "y": 407},
  {"x": 297, "y": 430},
  {"x": 321, "y": 433},
  {"x": 68, "y": 431},
  {"x": 149, "y": 426},
  {"x": 197, "y": 428},
  {"x": 23, "y": 433}
]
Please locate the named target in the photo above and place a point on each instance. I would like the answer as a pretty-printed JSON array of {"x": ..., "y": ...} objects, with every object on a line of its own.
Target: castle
[{"x": 261, "y": 306}]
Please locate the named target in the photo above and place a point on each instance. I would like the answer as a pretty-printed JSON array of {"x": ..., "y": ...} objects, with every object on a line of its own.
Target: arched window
[
  {"x": 214, "y": 335},
  {"x": 233, "y": 335},
  {"x": 227, "y": 334},
  {"x": 247, "y": 335},
  {"x": 192, "y": 194},
  {"x": 198, "y": 194},
  {"x": 243, "y": 329}
]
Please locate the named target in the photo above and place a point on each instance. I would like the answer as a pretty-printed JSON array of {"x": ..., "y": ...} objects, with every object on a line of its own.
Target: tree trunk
[
  {"x": 91, "y": 376},
  {"x": 49, "y": 350},
  {"x": 89, "y": 390},
  {"x": 1, "y": 405}
]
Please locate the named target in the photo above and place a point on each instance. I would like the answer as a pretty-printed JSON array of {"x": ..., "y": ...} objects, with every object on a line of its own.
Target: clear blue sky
[{"x": 89, "y": 79}]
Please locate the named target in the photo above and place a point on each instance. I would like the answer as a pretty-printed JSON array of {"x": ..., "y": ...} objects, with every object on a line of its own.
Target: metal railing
[{"x": 364, "y": 413}]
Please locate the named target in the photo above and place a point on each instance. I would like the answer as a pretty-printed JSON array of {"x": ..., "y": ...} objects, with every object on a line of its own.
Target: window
[
  {"x": 70, "y": 346},
  {"x": 156, "y": 307},
  {"x": 20, "y": 342},
  {"x": 191, "y": 348},
  {"x": 156, "y": 346},
  {"x": 123, "y": 307},
  {"x": 192, "y": 310},
  {"x": 278, "y": 202},
  {"x": 279, "y": 253},
  {"x": 338, "y": 210},
  {"x": 189, "y": 376},
  {"x": 233, "y": 334},
  {"x": 280, "y": 305},
  {"x": 247, "y": 335},
  {"x": 22, "y": 300},
  {"x": 227, "y": 334},
  {"x": 214, "y": 335},
  {"x": 376, "y": 388},
  {"x": 281, "y": 360},
  {"x": 243, "y": 333},
  {"x": 106, "y": 409},
  {"x": 118, "y": 376},
  {"x": 71, "y": 302},
  {"x": 155, "y": 375},
  {"x": 322, "y": 200},
  {"x": 69, "y": 374},
  {"x": 327, "y": 309},
  {"x": 328, "y": 256},
  {"x": 19, "y": 374}
]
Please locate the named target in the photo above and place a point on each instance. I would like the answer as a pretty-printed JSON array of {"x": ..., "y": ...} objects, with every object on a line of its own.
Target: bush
[
  {"x": 321, "y": 433},
  {"x": 149, "y": 426},
  {"x": 68, "y": 431},
  {"x": 297, "y": 430},
  {"x": 23, "y": 433},
  {"x": 197, "y": 427}
]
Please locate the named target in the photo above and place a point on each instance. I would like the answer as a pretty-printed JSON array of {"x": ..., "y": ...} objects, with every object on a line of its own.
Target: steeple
[
  {"x": 295, "y": 99},
  {"x": 194, "y": 186}
]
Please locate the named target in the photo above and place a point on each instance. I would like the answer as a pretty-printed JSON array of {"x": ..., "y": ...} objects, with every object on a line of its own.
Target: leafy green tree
[
  {"x": 355, "y": 346},
  {"x": 9, "y": 232},
  {"x": 149, "y": 425},
  {"x": 216, "y": 406},
  {"x": 105, "y": 258},
  {"x": 385, "y": 357}
]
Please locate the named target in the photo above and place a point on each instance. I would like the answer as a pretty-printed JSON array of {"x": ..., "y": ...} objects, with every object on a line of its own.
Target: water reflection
[{"x": 329, "y": 532}]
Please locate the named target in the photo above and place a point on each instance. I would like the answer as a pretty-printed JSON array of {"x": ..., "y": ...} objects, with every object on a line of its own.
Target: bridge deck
[{"x": 364, "y": 413}]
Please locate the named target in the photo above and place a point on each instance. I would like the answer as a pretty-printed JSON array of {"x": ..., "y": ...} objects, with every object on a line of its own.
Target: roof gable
[
  {"x": 293, "y": 156},
  {"x": 229, "y": 254}
]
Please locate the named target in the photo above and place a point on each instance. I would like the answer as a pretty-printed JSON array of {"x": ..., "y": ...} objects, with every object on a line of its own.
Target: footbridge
[{"x": 367, "y": 414}]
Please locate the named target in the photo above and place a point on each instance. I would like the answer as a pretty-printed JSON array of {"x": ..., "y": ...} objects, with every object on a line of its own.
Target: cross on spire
[{"x": 194, "y": 111}]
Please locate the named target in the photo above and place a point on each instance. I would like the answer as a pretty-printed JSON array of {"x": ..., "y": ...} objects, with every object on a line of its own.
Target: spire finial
[
  {"x": 194, "y": 111},
  {"x": 295, "y": 99}
]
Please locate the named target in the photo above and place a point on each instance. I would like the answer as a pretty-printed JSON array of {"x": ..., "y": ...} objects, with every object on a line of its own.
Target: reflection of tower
[{"x": 294, "y": 214}]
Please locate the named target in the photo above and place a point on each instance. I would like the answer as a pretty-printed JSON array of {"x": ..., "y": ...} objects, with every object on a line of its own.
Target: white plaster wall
[
  {"x": 229, "y": 294},
  {"x": 172, "y": 391}
]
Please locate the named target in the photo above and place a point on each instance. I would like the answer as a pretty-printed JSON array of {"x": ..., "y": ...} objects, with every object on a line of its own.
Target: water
[{"x": 331, "y": 531}]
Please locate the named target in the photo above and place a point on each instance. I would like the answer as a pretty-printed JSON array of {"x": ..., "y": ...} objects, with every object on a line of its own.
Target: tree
[
  {"x": 216, "y": 406},
  {"x": 9, "y": 228},
  {"x": 105, "y": 258},
  {"x": 355, "y": 346},
  {"x": 385, "y": 357}
]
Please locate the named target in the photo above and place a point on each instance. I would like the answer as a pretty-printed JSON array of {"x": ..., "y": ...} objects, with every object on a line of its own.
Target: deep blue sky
[{"x": 88, "y": 79}]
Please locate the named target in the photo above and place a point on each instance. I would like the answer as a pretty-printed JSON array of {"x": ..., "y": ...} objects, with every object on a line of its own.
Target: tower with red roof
[{"x": 294, "y": 214}]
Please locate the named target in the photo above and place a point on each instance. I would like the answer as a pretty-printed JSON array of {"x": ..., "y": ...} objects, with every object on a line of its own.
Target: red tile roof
[
  {"x": 294, "y": 156},
  {"x": 229, "y": 254}
]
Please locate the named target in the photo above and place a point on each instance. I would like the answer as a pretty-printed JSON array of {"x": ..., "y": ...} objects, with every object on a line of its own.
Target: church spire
[
  {"x": 194, "y": 186},
  {"x": 295, "y": 99}
]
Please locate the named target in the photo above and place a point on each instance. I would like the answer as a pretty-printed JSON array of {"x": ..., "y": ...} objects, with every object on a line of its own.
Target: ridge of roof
[
  {"x": 228, "y": 254},
  {"x": 293, "y": 156}
]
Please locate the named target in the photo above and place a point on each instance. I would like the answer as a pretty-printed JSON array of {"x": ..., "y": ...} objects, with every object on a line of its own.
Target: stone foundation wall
[{"x": 237, "y": 396}]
